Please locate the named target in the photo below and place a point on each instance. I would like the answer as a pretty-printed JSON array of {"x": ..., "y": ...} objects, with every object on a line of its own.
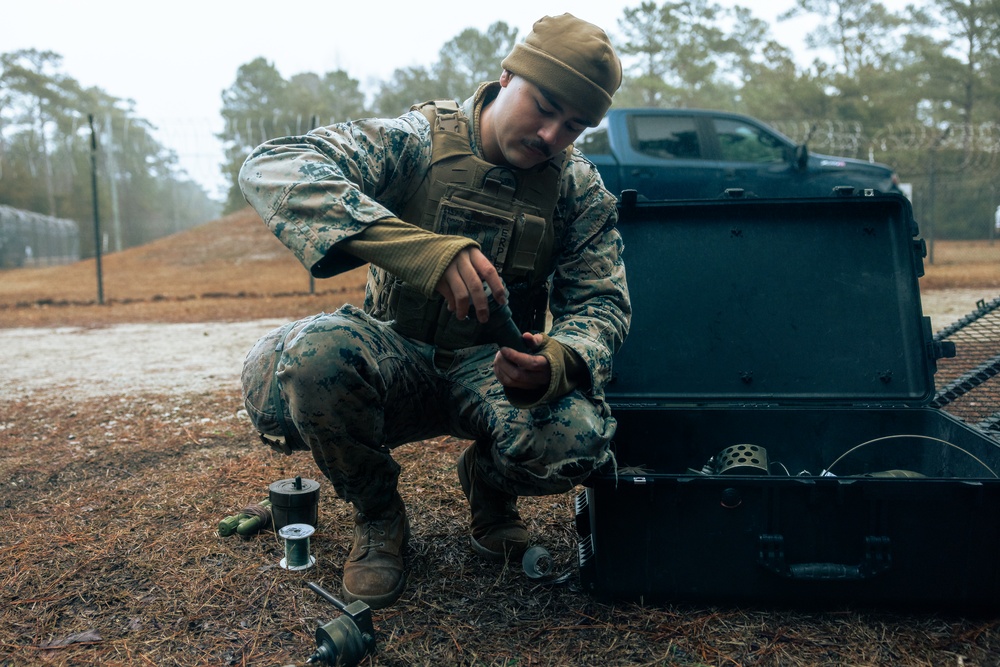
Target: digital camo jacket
[{"x": 316, "y": 190}]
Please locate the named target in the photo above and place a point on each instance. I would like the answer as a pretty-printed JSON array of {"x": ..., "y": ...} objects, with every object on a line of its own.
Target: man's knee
[
  {"x": 257, "y": 379},
  {"x": 330, "y": 362},
  {"x": 291, "y": 363},
  {"x": 559, "y": 448}
]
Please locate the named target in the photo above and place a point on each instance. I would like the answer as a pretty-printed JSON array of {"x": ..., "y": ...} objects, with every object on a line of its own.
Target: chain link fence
[
  {"x": 30, "y": 239},
  {"x": 969, "y": 383}
]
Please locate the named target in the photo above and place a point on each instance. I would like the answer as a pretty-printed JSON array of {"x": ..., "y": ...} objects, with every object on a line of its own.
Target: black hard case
[{"x": 795, "y": 326}]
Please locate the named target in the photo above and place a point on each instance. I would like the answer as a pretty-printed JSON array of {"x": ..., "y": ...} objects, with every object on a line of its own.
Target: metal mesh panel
[{"x": 969, "y": 384}]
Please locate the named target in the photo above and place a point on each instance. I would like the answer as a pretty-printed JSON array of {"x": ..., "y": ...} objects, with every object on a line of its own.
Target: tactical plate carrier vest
[{"x": 508, "y": 211}]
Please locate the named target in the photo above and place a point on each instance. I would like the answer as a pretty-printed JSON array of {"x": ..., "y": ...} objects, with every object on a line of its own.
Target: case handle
[{"x": 878, "y": 559}]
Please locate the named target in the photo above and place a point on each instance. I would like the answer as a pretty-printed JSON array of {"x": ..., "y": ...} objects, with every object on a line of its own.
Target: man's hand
[
  {"x": 517, "y": 370},
  {"x": 462, "y": 284}
]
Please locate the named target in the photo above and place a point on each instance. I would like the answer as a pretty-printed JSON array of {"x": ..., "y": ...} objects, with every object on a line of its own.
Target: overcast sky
[{"x": 175, "y": 58}]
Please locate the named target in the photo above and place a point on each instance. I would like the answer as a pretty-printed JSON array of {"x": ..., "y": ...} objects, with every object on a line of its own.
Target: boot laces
[{"x": 369, "y": 527}]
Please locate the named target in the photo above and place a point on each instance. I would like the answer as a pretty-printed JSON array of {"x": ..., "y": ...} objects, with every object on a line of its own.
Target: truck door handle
[
  {"x": 641, "y": 173},
  {"x": 877, "y": 559}
]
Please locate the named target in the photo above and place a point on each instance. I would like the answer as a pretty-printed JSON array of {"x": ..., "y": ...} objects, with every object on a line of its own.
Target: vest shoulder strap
[{"x": 449, "y": 129}]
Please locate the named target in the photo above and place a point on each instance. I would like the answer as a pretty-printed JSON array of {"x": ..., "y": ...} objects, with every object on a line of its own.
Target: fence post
[
  {"x": 932, "y": 186},
  {"x": 97, "y": 216},
  {"x": 995, "y": 227}
]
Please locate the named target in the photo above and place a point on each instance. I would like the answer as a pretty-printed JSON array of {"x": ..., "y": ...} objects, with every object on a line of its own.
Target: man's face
[{"x": 530, "y": 126}]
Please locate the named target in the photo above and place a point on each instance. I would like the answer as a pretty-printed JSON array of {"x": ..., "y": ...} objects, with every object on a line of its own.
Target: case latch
[{"x": 941, "y": 349}]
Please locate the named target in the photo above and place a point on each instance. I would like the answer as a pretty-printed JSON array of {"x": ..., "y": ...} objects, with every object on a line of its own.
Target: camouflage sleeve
[
  {"x": 590, "y": 303},
  {"x": 316, "y": 190}
]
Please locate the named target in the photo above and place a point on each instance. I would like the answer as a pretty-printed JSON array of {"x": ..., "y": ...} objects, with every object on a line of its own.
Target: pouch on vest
[{"x": 508, "y": 231}]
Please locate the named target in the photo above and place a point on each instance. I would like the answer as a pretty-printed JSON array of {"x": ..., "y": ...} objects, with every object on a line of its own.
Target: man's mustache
[{"x": 538, "y": 145}]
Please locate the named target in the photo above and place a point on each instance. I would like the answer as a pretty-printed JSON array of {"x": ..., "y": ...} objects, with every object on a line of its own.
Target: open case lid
[{"x": 774, "y": 301}]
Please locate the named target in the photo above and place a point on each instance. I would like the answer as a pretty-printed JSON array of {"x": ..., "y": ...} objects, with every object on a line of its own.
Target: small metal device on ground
[
  {"x": 536, "y": 562},
  {"x": 346, "y": 640},
  {"x": 294, "y": 500}
]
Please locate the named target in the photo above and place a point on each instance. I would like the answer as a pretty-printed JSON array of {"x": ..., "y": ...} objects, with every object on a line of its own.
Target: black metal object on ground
[
  {"x": 294, "y": 500},
  {"x": 346, "y": 640}
]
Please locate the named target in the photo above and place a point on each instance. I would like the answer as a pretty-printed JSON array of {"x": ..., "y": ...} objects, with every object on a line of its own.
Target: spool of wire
[
  {"x": 537, "y": 562},
  {"x": 297, "y": 556}
]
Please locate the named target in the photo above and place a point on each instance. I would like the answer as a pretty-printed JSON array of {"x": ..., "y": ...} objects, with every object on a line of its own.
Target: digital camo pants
[{"x": 351, "y": 389}]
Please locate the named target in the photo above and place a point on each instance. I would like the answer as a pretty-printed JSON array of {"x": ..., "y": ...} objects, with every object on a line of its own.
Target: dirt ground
[{"x": 124, "y": 445}]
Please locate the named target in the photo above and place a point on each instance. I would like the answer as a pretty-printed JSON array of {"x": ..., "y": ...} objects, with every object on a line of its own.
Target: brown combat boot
[
  {"x": 374, "y": 571},
  {"x": 497, "y": 530}
]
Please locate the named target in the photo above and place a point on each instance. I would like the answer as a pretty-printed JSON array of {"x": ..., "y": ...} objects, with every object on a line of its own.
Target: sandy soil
[
  {"x": 126, "y": 359},
  {"x": 945, "y": 306}
]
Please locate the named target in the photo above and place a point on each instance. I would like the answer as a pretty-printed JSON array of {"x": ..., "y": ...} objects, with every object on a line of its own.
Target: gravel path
[
  {"x": 127, "y": 359},
  {"x": 174, "y": 359}
]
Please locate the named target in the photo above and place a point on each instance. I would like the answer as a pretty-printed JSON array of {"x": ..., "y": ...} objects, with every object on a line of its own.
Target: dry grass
[
  {"x": 962, "y": 264},
  {"x": 109, "y": 556},
  {"x": 230, "y": 269}
]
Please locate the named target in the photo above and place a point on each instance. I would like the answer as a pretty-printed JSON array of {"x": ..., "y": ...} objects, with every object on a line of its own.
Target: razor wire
[
  {"x": 977, "y": 144},
  {"x": 845, "y": 138}
]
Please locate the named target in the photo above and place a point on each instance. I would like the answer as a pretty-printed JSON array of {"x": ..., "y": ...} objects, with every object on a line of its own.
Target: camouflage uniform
[{"x": 351, "y": 388}]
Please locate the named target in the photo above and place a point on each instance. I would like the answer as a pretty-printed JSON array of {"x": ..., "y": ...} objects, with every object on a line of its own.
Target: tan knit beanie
[{"x": 571, "y": 59}]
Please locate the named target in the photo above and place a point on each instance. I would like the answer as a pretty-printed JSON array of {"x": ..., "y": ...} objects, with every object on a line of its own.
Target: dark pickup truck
[{"x": 700, "y": 154}]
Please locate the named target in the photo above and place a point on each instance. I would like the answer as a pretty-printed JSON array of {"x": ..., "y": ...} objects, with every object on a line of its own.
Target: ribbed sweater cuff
[{"x": 417, "y": 256}]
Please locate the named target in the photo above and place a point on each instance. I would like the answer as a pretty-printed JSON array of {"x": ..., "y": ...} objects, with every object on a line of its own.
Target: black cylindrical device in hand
[{"x": 500, "y": 328}]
